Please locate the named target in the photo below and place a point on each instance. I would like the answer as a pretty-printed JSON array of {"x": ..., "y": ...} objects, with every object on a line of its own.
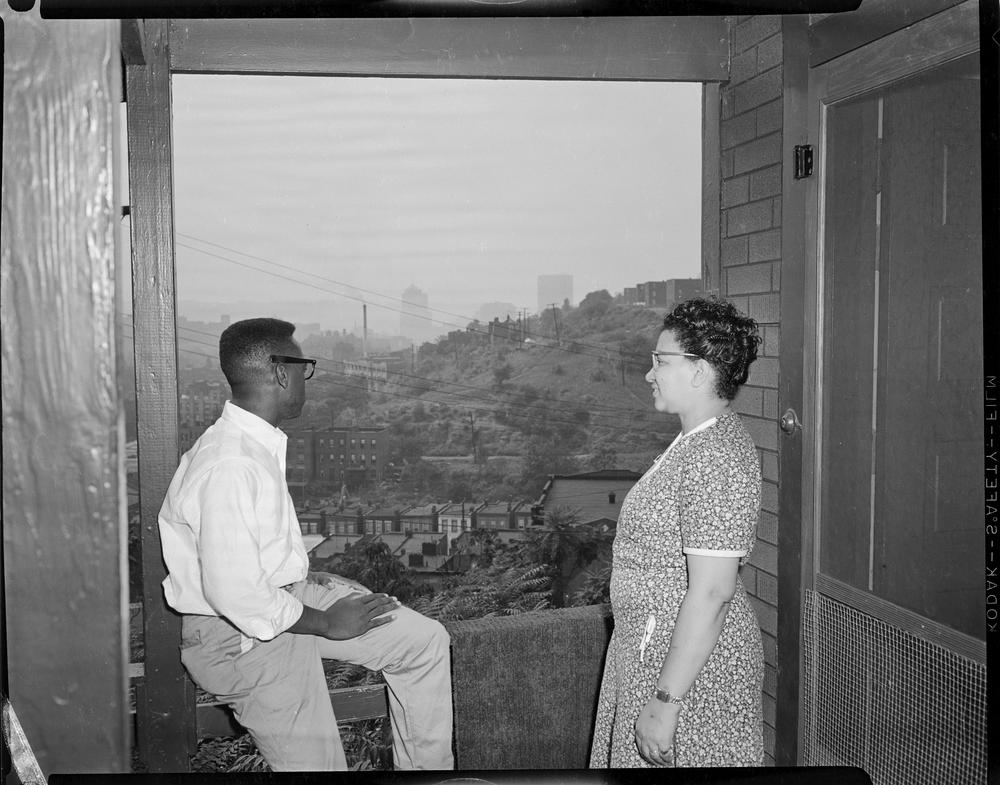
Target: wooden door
[{"x": 894, "y": 599}]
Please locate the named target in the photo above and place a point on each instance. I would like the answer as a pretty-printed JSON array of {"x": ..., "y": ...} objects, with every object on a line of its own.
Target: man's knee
[
  {"x": 438, "y": 634},
  {"x": 423, "y": 634}
]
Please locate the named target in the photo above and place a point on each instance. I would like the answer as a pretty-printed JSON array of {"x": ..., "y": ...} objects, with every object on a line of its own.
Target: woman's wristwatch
[{"x": 666, "y": 697}]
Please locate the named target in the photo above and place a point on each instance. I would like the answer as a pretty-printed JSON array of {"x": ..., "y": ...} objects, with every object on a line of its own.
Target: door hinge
[{"x": 803, "y": 160}]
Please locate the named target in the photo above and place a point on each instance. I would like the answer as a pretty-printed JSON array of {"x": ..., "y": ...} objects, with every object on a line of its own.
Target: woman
[{"x": 684, "y": 670}]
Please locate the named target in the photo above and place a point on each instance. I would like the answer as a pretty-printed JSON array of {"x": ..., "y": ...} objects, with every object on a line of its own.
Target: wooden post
[
  {"x": 165, "y": 706},
  {"x": 64, "y": 521},
  {"x": 795, "y": 196}
]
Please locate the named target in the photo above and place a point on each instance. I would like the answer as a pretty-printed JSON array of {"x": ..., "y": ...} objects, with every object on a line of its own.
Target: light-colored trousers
[{"x": 278, "y": 692}]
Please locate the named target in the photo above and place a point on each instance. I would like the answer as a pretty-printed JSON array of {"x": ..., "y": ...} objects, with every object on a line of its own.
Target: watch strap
[{"x": 666, "y": 697}]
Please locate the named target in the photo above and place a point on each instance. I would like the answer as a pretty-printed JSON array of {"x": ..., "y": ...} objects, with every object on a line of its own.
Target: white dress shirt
[{"x": 228, "y": 528}]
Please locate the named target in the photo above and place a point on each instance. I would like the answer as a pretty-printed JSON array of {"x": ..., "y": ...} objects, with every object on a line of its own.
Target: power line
[
  {"x": 605, "y": 351},
  {"x": 448, "y": 384},
  {"x": 551, "y": 414}
]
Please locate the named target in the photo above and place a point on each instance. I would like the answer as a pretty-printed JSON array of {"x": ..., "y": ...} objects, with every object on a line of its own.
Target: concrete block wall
[{"x": 750, "y": 257}]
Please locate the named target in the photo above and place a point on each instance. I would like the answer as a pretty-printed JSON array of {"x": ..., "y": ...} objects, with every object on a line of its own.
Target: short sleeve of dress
[{"x": 720, "y": 501}]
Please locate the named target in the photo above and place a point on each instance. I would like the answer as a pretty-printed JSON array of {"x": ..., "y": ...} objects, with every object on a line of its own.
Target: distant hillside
[{"x": 563, "y": 392}]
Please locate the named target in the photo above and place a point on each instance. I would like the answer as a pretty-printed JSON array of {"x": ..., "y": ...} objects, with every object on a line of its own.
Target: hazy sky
[{"x": 467, "y": 189}]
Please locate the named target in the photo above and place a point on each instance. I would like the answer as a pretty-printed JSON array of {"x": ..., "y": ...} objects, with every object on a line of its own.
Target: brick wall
[{"x": 750, "y": 259}]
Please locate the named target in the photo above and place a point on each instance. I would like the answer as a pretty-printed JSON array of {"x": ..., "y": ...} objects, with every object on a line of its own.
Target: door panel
[{"x": 902, "y": 363}]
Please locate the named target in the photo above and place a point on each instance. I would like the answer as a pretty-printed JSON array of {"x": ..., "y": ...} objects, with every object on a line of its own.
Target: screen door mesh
[{"x": 903, "y": 709}]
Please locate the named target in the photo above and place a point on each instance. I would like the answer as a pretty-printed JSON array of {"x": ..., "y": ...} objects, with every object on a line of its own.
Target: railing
[
  {"x": 530, "y": 679},
  {"x": 350, "y": 704}
]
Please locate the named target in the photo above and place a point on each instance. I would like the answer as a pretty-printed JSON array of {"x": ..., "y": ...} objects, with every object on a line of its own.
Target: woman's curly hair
[{"x": 715, "y": 331}]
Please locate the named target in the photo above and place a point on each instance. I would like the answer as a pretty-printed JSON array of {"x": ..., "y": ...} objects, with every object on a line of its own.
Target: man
[{"x": 256, "y": 622}]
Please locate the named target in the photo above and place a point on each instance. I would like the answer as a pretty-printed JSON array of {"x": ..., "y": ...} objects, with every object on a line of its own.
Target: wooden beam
[
  {"x": 245, "y": 9},
  {"x": 795, "y": 195},
  {"x": 711, "y": 177},
  {"x": 943, "y": 37},
  {"x": 838, "y": 34},
  {"x": 65, "y": 629},
  {"x": 609, "y": 48},
  {"x": 903, "y": 619},
  {"x": 350, "y": 704},
  {"x": 165, "y": 704},
  {"x": 133, "y": 41}
]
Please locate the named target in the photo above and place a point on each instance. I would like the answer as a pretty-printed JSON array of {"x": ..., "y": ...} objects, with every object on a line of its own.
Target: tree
[
  {"x": 565, "y": 546},
  {"x": 543, "y": 457},
  {"x": 605, "y": 456},
  {"x": 501, "y": 374},
  {"x": 596, "y": 304},
  {"x": 421, "y": 477},
  {"x": 596, "y": 589},
  {"x": 373, "y": 565},
  {"x": 503, "y": 587}
]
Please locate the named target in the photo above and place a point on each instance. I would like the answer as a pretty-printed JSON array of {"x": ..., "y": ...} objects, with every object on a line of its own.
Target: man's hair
[
  {"x": 715, "y": 331},
  {"x": 245, "y": 349}
]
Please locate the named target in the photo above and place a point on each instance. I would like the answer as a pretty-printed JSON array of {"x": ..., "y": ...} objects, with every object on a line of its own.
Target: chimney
[
  {"x": 611, "y": 497},
  {"x": 364, "y": 330}
]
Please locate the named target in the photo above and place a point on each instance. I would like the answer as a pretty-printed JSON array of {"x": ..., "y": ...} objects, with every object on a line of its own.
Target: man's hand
[{"x": 355, "y": 615}]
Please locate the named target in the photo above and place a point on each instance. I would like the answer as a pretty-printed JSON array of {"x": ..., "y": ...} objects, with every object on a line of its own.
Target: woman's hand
[{"x": 654, "y": 732}]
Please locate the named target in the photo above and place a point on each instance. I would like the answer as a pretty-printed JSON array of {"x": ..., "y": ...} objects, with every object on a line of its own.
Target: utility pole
[
  {"x": 472, "y": 427},
  {"x": 555, "y": 321}
]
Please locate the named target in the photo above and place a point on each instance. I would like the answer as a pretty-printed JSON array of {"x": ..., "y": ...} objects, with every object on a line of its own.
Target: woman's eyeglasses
[{"x": 657, "y": 355}]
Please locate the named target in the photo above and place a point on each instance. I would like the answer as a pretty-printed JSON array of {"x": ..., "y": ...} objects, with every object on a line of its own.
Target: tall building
[
  {"x": 354, "y": 456},
  {"x": 554, "y": 289},
  {"x": 415, "y": 319}
]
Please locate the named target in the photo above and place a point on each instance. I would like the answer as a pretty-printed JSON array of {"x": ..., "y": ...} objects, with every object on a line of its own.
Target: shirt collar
[{"x": 271, "y": 437}]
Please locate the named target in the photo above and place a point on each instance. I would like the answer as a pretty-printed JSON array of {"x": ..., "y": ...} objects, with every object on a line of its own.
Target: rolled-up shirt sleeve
[{"x": 231, "y": 535}]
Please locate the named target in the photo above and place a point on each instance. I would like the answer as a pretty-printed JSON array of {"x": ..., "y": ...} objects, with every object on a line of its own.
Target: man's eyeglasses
[
  {"x": 657, "y": 355},
  {"x": 282, "y": 358}
]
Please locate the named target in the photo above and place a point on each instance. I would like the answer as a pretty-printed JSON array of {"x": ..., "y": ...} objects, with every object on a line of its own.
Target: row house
[
  {"x": 417, "y": 550},
  {"x": 588, "y": 496},
  {"x": 507, "y": 330},
  {"x": 343, "y": 522},
  {"x": 384, "y": 520},
  {"x": 422, "y": 519},
  {"x": 332, "y": 545},
  {"x": 331, "y": 520},
  {"x": 454, "y": 518},
  {"x": 374, "y": 370},
  {"x": 422, "y": 553},
  {"x": 508, "y": 516}
]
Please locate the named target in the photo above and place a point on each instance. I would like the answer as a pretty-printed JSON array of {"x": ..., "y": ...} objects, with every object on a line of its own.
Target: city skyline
[{"x": 351, "y": 318}]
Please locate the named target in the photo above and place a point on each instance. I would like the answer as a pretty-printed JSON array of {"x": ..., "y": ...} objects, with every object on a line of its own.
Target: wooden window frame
[{"x": 690, "y": 49}]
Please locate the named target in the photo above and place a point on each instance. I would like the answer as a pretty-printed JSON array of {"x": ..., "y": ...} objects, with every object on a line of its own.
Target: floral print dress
[{"x": 702, "y": 497}]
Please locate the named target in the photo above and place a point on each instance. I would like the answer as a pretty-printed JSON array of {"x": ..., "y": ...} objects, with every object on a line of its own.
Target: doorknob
[{"x": 790, "y": 422}]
